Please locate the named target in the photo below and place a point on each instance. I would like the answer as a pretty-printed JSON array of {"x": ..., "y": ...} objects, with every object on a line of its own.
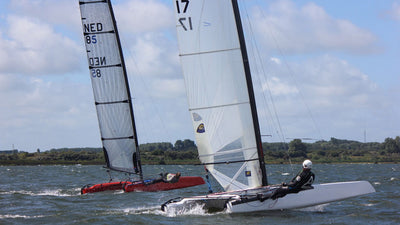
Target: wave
[
  {"x": 194, "y": 210},
  {"x": 57, "y": 192},
  {"x": 154, "y": 210},
  {"x": 317, "y": 208},
  {"x": 369, "y": 205},
  {"x": 197, "y": 210},
  {"x": 9, "y": 216},
  {"x": 170, "y": 212}
]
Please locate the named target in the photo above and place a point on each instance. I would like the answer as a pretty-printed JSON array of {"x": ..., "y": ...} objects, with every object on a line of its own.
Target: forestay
[
  {"x": 110, "y": 86},
  {"x": 216, "y": 87}
]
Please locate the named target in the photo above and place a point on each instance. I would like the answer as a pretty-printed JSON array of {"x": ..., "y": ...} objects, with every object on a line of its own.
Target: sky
[{"x": 321, "y": 69}]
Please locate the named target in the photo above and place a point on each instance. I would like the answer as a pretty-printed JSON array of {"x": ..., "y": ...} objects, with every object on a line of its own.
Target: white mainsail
[
  {"x": 217, "y": 90},
  {"x": 110, "y": 86}
]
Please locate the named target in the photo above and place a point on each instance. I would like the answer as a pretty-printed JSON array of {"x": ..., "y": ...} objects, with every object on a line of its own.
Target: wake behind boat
[
  {"x": 114, "y": 104},
  {"x": 221, "y": 100}
]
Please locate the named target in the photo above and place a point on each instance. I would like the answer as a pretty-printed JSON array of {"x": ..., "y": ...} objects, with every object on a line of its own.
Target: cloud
[
  {"x": 335, "y": 79},
  {"x": 139, "y": 16},
  {"x": 325, "y": 97},
  {"x": 395, "y": 11},
  {"x": 277, "y": 87},
  {"x": 309, "y": 29},
  {"x": 163, "y": 118},
  {"x": 327, "y": 83},
  {"x": 169, "y": 88},
  {"x": 35, "y": 113},
  {"x": 30, "y": 46},
  {"x": 60, "y": 12},
  {"x": 276, "y": 60},
  {"x": 46, "y": 98},
  {"x": 152, "y": 55},
  {"x": 46, "y": 95}
]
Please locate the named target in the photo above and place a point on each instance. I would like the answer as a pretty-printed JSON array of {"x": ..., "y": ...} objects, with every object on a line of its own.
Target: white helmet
[{"x": 307, "y": 164}]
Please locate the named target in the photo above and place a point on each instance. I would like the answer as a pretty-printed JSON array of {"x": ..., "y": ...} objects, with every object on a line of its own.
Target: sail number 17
[{"x": 186, "y": 22}]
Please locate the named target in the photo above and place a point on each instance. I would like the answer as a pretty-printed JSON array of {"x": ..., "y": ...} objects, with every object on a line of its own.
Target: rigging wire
[
  {"x": 261, "y": 71},
  {"x": 135, "y": 69},
  {"x": 291, "y": 74},
  {"x": 145, "y": 86}
]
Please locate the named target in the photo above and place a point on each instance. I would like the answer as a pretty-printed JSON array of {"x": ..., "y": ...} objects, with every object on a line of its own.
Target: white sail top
[
  {"x": 217, "y": 92},
  {"x": 110, "y": 85}
]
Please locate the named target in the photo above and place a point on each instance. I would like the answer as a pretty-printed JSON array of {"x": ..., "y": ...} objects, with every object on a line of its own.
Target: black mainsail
[{"x": 110, "y": 87}]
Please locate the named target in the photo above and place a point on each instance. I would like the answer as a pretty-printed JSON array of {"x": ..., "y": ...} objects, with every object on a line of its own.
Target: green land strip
[{"x": 185, "y": 152}]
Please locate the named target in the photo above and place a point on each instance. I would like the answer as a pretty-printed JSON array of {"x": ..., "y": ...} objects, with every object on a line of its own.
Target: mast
[
  {"x": 136, "y": 156},
  {"x": 251, "y": 91}
]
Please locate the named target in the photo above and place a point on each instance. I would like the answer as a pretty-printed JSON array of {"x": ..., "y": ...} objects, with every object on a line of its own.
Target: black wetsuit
[{"x": 303, "y": 180}]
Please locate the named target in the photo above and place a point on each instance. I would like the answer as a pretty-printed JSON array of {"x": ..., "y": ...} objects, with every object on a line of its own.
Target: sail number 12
[{"x": 186, "y": 22}]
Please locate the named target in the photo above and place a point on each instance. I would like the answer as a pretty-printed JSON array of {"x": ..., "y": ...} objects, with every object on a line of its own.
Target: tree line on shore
[{"x": 185, "y": 152}]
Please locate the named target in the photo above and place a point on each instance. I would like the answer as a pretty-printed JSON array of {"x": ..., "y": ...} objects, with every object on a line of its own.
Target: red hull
[
  {"x": 183, "y": 182},
  {"x": 111, "y": 186},
  {"x": 146, "y": 186}
]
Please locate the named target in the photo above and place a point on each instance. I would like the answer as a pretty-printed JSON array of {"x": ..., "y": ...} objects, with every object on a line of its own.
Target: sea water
[{"x": 51, "y": 195}]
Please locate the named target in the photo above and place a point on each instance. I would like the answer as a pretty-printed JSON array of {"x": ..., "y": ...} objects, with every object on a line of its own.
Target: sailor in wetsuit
[
  {"x": 166, "y": 178},
  {"x": 303, "y": 180}
]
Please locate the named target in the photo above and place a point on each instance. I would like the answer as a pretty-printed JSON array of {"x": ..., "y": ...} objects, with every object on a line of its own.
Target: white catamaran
[
  {"x": 221, "y": 102},
  {"x": 114, "y": 103}
]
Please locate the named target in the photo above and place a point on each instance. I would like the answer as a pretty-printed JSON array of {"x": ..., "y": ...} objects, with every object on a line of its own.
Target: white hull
[{"x": 322, "y": 193}]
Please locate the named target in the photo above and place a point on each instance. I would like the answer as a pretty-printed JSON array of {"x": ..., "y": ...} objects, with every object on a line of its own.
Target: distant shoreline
[{"x": 185, "y": 152}]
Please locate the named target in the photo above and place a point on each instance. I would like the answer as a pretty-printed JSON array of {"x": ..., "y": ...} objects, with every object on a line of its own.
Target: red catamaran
[{"x": 114, "y": 103}]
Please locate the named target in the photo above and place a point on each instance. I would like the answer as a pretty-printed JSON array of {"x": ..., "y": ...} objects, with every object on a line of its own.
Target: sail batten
[
  {"x": 229, "y": 162},
  {"x": 105, "y": 66},
  {"x": 116, "y": 138},
  {"x": 110, "y": 86},
  {"x": 227, "y": 152},
  {"x": 208, "y": 52},
  {"x": 217, "y": 106},
  {"x": 114, "y": 102},
  {"x": 101, "y": 32}
]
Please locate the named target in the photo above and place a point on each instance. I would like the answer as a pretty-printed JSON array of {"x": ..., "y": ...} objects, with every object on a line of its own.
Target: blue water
[{"x": 51, "y": 195}]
